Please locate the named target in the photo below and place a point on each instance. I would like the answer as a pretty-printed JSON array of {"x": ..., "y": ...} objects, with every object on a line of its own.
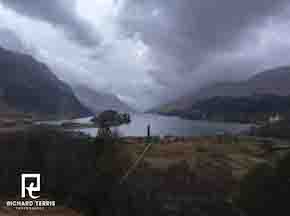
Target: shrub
[{"x": 266, "y": 190}]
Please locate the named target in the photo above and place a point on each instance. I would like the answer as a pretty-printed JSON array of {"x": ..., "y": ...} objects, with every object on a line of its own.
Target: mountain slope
[
  {"x": 28, "y": 86},
  {"x": 98, "y": 101},
  {"x": 271, "y": 82}
]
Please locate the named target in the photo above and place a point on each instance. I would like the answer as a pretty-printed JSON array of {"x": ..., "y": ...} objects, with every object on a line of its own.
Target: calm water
[{"x": 174, "y": 126}]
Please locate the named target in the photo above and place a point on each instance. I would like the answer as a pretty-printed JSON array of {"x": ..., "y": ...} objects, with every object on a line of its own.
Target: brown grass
[{"x": 236, "y": 154}]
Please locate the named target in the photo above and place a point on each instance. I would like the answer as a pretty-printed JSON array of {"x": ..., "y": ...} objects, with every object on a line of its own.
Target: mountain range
[
  {"x": 270, "y": 82},
  {"x": 29, "y": 86}
]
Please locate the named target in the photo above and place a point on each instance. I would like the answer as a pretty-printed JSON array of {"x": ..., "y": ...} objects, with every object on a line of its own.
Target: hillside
[
  {"x": 99, "y": 101},
  {"x": 250, "y": 109},
  {"x": 270, "y": 82},
  {"x": 28, "y": 86}
]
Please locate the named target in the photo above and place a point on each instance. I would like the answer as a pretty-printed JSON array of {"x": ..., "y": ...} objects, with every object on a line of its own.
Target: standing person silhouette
[{"x": 148, "y": 130}]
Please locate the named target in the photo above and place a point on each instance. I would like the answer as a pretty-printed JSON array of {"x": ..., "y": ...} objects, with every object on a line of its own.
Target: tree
[{"x": 108, "y": 119}]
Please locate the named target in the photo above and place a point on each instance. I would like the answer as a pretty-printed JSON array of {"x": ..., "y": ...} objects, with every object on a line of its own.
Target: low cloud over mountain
[{"x": 154, "y": 50}]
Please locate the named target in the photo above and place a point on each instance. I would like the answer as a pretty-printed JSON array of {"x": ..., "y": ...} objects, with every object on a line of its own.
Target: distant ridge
[
  {"x": 99, "y": 101},
  {"x": 273, "y": 82}
]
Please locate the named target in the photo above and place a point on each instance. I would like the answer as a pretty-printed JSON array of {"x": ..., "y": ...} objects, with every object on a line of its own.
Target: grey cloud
[
  {"x": 191, "y": 43},
  {"x": 60, "y": 13},
  {"x": 11, "y": 41},
  {"x": 187, "y": 34}
]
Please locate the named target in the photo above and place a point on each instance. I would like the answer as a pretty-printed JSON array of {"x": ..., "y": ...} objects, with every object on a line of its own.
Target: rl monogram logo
[{"x": 32, "y": 187}]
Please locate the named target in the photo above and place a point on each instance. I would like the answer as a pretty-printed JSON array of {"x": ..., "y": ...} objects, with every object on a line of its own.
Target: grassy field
[
  {"x": 236, "y": 154},
  {"x": 84, "y": 173}
]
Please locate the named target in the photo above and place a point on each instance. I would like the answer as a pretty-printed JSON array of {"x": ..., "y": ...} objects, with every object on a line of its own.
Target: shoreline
[{"x": 204, "y": 120}]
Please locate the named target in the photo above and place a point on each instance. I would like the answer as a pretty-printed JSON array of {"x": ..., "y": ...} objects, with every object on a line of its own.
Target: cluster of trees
[{"x": 111, "y": 118}]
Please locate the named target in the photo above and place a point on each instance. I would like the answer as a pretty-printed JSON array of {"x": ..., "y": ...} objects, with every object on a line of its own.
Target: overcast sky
[{"x": 149, "y": 51}]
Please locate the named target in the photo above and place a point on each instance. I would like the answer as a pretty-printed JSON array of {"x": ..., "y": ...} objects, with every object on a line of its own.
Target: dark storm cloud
[
  {"x": 186, "y": 34},
  {"x": 60, "y": 13}
]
